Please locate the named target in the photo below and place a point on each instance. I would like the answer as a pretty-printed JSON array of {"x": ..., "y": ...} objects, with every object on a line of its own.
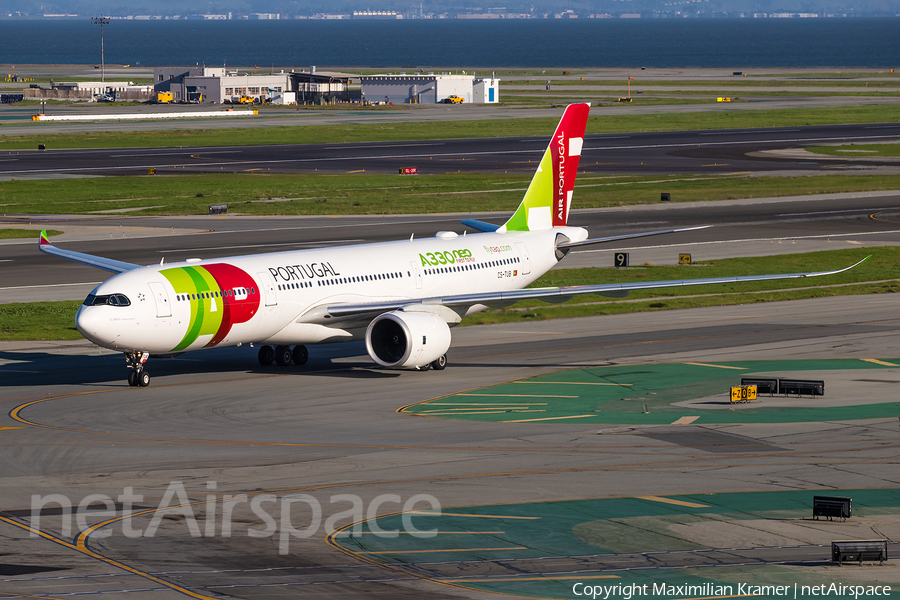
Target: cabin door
[{"x": 161, "y": 297}]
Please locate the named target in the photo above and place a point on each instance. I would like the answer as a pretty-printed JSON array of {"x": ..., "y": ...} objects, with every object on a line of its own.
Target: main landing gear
[
  {"x": 283, "y": 355},
  {"x": 438, "y": 365},
  {"x": 137, "y": 377}
]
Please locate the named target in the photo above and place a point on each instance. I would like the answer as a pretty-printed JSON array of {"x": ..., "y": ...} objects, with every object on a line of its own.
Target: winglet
[
  {"x": 45, "y": 239},
  {"x": 853, "y": 266}
]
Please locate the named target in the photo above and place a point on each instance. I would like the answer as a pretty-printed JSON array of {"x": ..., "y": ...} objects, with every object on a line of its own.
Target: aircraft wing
[
  {"x": 557, "y": 294},
  {"x": 627, "y": 236},
  {"x": 107, "y": 264},
  {"x": 490, "y": 227}
]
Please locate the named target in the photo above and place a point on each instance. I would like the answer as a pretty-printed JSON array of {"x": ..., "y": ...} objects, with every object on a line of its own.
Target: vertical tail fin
[{"x": 546, "y": 203}]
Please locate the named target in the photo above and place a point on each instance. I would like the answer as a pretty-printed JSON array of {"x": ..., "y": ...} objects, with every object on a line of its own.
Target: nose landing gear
[{"x": 137, "y": 377}]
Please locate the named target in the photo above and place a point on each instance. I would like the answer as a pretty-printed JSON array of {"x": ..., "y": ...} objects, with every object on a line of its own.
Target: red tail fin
[{"x": 566, "y": 151}]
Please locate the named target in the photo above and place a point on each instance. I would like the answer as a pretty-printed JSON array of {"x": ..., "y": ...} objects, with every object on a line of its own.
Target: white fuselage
[{"x": 273, "y": 298}]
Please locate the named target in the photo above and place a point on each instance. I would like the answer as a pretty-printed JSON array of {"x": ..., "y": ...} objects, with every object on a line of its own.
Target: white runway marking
[
  {"x": 48, "y": 285},
  {"x": 453, "y": 154},
  {"x": 259, "y": 246}
]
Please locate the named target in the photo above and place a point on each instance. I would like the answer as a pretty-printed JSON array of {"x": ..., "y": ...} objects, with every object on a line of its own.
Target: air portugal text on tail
[
  {"x": 547, "y": 201},
  {"x": 569, "y": 139},
  {"x": 401, "y": 297}
]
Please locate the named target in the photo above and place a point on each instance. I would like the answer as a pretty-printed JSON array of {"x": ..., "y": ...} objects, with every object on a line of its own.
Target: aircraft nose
[{"x": 90, "y": 323}]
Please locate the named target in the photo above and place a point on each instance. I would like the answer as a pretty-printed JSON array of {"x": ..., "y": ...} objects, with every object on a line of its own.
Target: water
[{"x": 727, "y": 43}]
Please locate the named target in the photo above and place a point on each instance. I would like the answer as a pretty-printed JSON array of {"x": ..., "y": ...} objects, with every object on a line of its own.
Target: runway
[
  {"x": 689, "y": 152},
  {"x": 758, "y": 227},
  {"x": 332, "y": 428}
]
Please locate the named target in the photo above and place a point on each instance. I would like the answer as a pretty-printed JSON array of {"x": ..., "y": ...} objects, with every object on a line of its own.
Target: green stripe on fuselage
[{"x": 206, "y": 313}]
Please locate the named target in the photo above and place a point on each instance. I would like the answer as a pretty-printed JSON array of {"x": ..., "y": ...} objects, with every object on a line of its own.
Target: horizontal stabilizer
[{"x": 480, "y": 225}]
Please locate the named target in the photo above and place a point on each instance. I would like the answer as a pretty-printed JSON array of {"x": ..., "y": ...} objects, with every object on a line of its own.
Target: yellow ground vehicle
[
  {"x": 246, "y": 100},
  {"x": 164, "y": 97},
  {"x": 453, "y": 99}
]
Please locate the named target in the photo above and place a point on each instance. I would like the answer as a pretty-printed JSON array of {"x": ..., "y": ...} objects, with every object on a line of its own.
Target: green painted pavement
[
  {"x": 575, "y": 528},
  {"x": 645, "y": 394}
]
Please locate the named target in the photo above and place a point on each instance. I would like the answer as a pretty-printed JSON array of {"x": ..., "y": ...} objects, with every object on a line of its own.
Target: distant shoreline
[{"x": 504, "y": 43}]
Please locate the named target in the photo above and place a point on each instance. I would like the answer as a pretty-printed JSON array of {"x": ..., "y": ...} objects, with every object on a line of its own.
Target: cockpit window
[{"x": 110, "y": 299}]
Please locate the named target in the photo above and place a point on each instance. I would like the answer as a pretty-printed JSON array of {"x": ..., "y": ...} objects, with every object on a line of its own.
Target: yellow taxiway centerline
[
  {"x": 879, "y": 362},
  {"x": 671, "y": 501},
  {"x": 549, "y": 419},
  {"x": 716, "y": 366},
  {"x": 549, "y": 577},
  {"x": 446, "y": 550},
  {"x": 444, "y": 514}
]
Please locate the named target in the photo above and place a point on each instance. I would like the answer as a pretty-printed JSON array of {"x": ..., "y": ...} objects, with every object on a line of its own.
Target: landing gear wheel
[
  {"x": 440, "y": 364},
  {"x": 283, "y": 355},
  {"x": 300, "y": 355},
  {"x": 266, "y": 355},
  {"x": 135, "y": 360}
]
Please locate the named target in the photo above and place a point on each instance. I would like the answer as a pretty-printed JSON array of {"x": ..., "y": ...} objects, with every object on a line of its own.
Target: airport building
[
  {"x": 89, "y": 90},
  {"x": 420, "y": 88},
  {"x": 218, "y": 86}
]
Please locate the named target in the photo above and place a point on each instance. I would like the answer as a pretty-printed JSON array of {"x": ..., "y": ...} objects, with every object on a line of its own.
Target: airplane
[{"x": 401, "y": 297}]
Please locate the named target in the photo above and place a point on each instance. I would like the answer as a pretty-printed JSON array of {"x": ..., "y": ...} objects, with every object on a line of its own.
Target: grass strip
[
  {"x": 851, "y": 150},
  {"x": 361, "y": 193},
  {"x": 820, "y": 75},
  {"x": 11, "y": 234},
  {"x": 55, "y": 320},
  {"x": 450, "y": 129},
  {"x": 39, "y": 321},
  {"x": 728, "y": 84}
]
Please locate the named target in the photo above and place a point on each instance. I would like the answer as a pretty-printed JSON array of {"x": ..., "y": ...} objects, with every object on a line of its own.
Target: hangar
[
  {"x": 420, "y": 88},
  {"x": 89, "y": 90},
  {"x": 217, "y": 85}
]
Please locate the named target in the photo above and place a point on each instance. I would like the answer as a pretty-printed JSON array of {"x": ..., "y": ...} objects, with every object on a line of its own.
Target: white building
[
  {"x": 89, "y": 90},
  {"x": 486, "y": 91},
  {"x": 216, "y": 84},
  {"x": 429, "y": 89}
]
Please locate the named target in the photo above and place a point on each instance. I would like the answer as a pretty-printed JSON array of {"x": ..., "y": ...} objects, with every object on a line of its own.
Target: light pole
[{"x": 101, "y": 21}]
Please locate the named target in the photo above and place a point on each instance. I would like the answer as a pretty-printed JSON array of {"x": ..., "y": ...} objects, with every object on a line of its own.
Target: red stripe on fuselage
[{"x": 234, "y": 311}]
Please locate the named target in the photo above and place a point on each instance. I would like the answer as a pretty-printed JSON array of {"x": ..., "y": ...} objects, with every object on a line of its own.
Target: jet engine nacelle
[{"x": 407, "y": 340}]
